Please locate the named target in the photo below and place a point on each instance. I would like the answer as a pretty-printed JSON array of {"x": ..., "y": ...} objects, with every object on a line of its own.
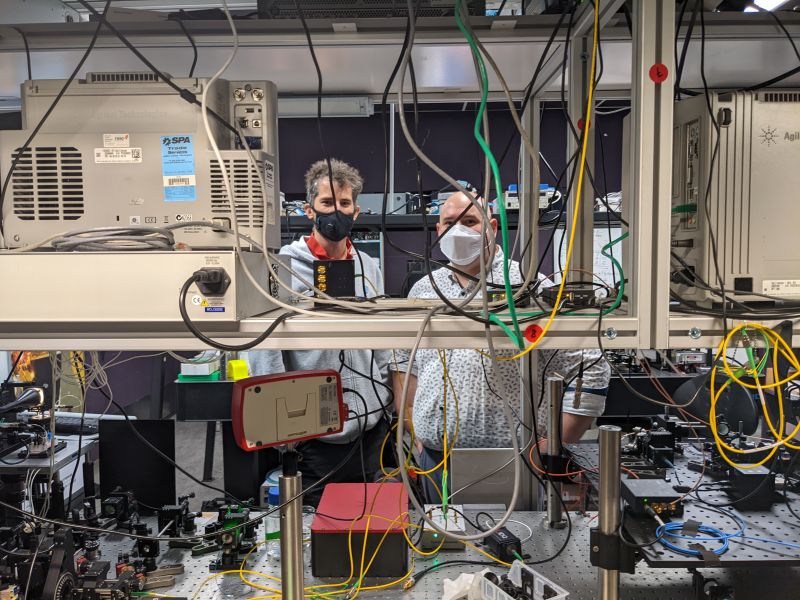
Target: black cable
[
  {"x": 362, "y": 433},
  {"x": 343, "y": 365},
  {"x": 478, "y": 518},
  {"x": 318, "y": 70},
  {"x": 182, "y": 92},
  {"x": 135, "y": 536},
  {"x": 687, "y": 40},
  {"x": 22, "y": 150},
  {"x": 626, "y": 542},
  {"x": 427, "y": 258},
  {"x": 714, "y": 156},
  {"x": 604, "y": 197},
  {"x": 780, "y": 25},
  {"x": 371, "y": 376},
  {"x": 529, "y": 88},
  {"x": 191, "y": 41},
  {"x": 624, "y": 380},
  {"x": 152, "y": 447},
  {"x": 27, "y": 50},
  {"x": 788, "y": 473},
  {"x": 749, "y": 495},
  {"x": 213, "y": 343},
  {"x": 770, "y": 82},
  {"x": 384, "y": 123},
  {"x": 725, "y": 312},
  {"x": 78, "y": 364},
  {"x": 18, "y": 462},
  {"x": 448, "y": 563}
]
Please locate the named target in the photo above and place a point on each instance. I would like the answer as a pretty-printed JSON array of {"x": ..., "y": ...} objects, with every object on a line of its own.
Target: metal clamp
[{"x": 608, "y": 552}]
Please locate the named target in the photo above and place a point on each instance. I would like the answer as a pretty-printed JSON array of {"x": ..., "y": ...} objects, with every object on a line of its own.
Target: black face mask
[{"x": 334, "y": 226}]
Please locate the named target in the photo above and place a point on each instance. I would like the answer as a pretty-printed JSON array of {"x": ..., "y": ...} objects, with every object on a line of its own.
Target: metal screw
[
  {"x": 238, "y": 94},
  {"x": 695, "y": 333},
  {"x": 258, "y": 94},
  {"x": 595, "y": 549},
  {"x": 611, "y": 333}
]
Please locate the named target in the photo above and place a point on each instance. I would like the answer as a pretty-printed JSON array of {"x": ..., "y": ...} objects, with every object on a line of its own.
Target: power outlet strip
[{"x": 452, "y": 522}]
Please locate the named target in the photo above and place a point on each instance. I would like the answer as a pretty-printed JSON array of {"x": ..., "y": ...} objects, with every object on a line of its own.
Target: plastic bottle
[{"x": 272, "y": 524}]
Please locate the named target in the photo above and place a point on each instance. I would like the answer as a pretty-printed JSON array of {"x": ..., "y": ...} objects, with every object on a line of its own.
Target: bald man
[{"x": 479, "y": 387}]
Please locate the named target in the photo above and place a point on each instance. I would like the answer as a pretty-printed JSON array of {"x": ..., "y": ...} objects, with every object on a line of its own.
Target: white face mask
[{"x": 461, "y": 245}]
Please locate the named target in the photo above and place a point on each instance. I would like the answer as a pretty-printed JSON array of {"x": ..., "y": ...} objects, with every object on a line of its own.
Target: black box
[
  {"x": 387, "y": 502},
  {"x": 757, "y": 485},
  {"x": 504, "y": 545},
  {"x": 336, "y": 278},
  {"x": 655, "y": 493}
]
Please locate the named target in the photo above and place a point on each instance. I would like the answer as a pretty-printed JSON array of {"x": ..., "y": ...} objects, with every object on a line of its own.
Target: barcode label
[
  {"x": 328, "y": 405},
  {"x": 117, "y": 155},
  {"x": 179, "y": 181}
]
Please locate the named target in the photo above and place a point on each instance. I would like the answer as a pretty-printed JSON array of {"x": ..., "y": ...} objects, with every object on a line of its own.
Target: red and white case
[{"x": 271, "y": 410}]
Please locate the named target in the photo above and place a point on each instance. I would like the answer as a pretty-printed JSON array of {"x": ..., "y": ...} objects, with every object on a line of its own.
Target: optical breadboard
[{"x": 125, "y": 149}]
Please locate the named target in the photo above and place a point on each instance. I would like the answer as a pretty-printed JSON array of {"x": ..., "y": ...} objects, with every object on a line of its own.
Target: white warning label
[
  {"x": 118, "y": 155},
  {"x": 269, "y": 184},
  {"x": 781, "y": 287},
  {"x": 116, "y": 140}
]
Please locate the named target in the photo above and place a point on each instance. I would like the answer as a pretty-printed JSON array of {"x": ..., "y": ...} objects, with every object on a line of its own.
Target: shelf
[{"x": 365, "y": 222}]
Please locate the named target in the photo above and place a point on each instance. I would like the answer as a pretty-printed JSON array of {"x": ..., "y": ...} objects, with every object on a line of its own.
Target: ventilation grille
[
  {"x": 246, "y": 190},
  {"x": 121, "y": 77},
  {"x": 781, "y": 97},
  {"x": 47, "y": 184}
]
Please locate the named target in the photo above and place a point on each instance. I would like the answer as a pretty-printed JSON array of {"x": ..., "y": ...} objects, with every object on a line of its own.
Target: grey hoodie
[{"x": 375, "y": 395}]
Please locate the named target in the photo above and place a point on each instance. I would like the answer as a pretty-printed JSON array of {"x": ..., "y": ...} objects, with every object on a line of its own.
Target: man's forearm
[
  {"x": 574, "y": 426},
  {"x": 397, "y": 386}
]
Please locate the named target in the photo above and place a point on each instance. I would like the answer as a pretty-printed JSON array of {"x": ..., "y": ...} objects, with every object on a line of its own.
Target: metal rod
[
  {"x": 292, "y": 565},
  {"x": 609, "y": 515},
  {"x": 555, "y": 390}
]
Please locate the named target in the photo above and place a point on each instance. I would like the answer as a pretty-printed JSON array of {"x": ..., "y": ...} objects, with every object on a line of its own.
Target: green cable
[
  {"x": 620, "y": 292},
  {"x": 512, "y": 309}
]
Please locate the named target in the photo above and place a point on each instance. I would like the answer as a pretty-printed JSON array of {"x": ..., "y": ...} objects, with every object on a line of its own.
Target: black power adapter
[{"x": 504, "y": 545}]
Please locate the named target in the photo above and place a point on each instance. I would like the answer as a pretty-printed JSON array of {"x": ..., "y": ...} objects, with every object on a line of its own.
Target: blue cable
[
  {"x": 776, "y": 542},
  {"x": 718, "y": 535}
]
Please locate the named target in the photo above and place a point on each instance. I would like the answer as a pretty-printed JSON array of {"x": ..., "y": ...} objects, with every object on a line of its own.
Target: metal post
[
  {"x": 290, "y": 485},
  {"x": 609, "y": 513},
  {"x": 528, "y": 229},
  {"x": 555, "y": 389},
  {"x": 579, "y": 81},
  {"x": 650, "y": 169}
]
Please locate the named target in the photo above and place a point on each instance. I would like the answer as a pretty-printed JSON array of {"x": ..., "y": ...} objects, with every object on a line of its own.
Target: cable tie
[{"x": 691, "y": 528}]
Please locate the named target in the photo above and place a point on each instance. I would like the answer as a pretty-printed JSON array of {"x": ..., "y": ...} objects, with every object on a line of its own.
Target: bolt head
[
  {"x": 595, "y": 549},
  {"x": 611, "y": 333},
  {"x": 695, "y": 333},
  {"x": 238, "y": 94},
  {"x": 258, "y": 94}
]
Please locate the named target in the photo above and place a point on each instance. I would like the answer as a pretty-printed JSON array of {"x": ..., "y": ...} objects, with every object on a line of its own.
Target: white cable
[
  {"x": 526, "y": 526},
  {"x": 402, "y": 457},
  {"x": 226, "y": 180},
  {"x": 420, "y": 333}
]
